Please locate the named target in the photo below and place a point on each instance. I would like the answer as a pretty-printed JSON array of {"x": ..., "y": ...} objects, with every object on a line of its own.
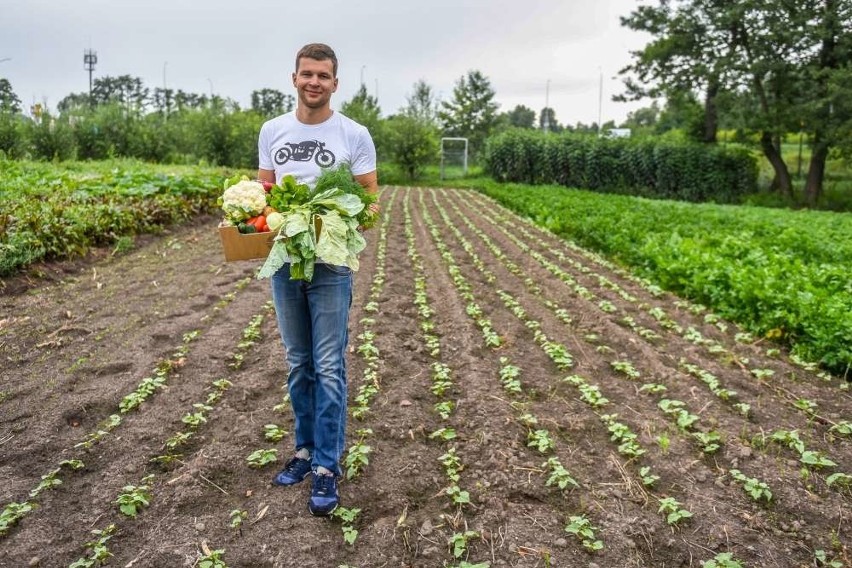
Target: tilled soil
[{"x": 79, "y": 338}]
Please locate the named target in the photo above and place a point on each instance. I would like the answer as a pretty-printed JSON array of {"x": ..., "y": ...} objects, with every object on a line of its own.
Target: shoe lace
[
  {"x": 324, "y": 484},
  {"x": 292, "y": 466}
]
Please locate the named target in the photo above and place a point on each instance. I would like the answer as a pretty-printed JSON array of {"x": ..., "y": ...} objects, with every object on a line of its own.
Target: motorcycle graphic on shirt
[{"x": 305, "y": 152}]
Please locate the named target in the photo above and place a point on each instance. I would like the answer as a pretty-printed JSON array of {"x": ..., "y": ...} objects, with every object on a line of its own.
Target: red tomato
[
  {"x": 265, "y": 228},
  {"x": 259, "y": 222},
  {"x": 267, "y": 185}
]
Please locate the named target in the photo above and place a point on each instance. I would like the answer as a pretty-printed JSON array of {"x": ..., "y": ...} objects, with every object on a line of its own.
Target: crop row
[
  {"x": 708, "y": 440},
  {"x": 776, "y": 273},
  {"x": 54, "y": 211}
]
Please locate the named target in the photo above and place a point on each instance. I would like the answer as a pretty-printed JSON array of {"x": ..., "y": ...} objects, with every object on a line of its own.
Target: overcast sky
[{"x": 236, "y": 46}]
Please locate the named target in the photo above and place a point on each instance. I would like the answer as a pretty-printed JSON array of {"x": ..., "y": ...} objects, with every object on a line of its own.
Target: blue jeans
[{"x": 313, "y": 319}]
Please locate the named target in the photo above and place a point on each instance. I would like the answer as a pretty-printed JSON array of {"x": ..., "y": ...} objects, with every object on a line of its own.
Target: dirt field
[{"x": 452, "y": 265}]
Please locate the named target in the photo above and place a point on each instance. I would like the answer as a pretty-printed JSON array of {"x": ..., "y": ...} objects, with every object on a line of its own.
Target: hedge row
[{"x": 651, "y": 168}]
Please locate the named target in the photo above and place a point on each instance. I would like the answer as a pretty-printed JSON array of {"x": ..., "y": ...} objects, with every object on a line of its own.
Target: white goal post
[{"x": 444, "y": 152}]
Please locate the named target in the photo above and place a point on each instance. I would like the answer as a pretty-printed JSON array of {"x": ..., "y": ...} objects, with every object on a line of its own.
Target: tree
[
  {"x": 364, "y": 109},
  {"x": 271, "y": 102},
  {"x": 521, "y": 117},
  {"x": 421, "y": 103},
  {"x": 75, "y": 103},
  {"x": 472, "y": 112},
  {"x": 9, "y": 101},
  {"x": 547, "y": 121},
  {"x": 412, "y": 143},
  {"x": 781, "y": 57},
  {"x": 682, "y": 112},
  {"x": 125, "y": 90},
  {"x": 643, "y": 119}
]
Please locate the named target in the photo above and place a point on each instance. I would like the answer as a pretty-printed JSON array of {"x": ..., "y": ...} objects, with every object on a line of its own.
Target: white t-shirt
[{"x": 287, "y": 146}]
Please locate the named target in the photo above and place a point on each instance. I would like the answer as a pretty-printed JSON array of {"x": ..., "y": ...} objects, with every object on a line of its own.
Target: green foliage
[
  {"x": 651, "y": 168},
  {"x": 722, "y": 560},
  {"x": 52, "y": 211},
  {"x": 777, "y": 273},
  {"x": 412, "y": 144},
  {"x": 472, "y": 112}
]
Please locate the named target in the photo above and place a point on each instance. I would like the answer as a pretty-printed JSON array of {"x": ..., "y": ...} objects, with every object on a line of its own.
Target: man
[{"x": 313, "y": 316}]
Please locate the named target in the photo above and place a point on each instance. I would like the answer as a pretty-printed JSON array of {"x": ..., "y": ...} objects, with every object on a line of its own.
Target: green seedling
[
  {"x": 444, "y": 408},
  {"x": 347, "y": 517},
  {"x": 822, "y": 559},
  {"x": 582, "y": 528},
  {"x": 815, "y": 459},
  {"x": 671, "y": 508},
  {"x": 12, "y": 513},
  {"x": 99, "y": 553},
  {"x": 653, "y": 388},
  {"x": 458, "y": 542},
  {"x": 559, "y": 476},
  {"x": 260, "y": 458},
  {"x": 722, "y": 560},
  {"x": 839, "y": 479},
  {"x": 134, "y": 497},
  {"x": 648, "y": 478},
  {"x": 540, "y": 440},
  {"x": 842, "y": 428},
  {"x": 458, "y": 496},
  {"x": 237, "y": 517},
  {"x": 626, "y": 368},
  {"x": 357, "y": 458},
  {"x": 444, "y": 434},
  {"x": 273, "y": 432},
  {"x": 754, "y": 487},
  {"x": 213, "y": 559},
  {"x": 48, "y": 481}
]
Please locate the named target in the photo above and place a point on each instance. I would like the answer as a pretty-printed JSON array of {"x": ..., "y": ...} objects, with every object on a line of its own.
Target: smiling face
[{"x": 315, "y": 82}]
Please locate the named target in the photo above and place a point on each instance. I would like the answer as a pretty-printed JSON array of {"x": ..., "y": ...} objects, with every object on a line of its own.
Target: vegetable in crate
[
  {"x": 242, "y": 199},
  {"x": 319, "y": 225}
]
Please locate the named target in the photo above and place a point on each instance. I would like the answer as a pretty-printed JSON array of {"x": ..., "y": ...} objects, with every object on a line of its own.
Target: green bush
[{"x": 654, "y": 168}]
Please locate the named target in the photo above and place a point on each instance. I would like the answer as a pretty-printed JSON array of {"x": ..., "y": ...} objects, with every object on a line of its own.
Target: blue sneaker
[
  {"x": 324, "y": 497},
  {"x": 294, "y": 471}
]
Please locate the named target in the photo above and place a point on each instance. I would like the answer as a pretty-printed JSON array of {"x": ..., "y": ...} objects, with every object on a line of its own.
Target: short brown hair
[{"x": 320, "y": 52}]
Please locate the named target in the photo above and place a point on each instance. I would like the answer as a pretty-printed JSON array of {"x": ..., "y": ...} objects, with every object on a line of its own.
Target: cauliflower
[{"x": 243, "y": 200}]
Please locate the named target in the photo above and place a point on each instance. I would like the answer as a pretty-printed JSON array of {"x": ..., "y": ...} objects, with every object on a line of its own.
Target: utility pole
[
  {"x": 90, "y": 58},
  {"x": 362, "y": 74}
]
